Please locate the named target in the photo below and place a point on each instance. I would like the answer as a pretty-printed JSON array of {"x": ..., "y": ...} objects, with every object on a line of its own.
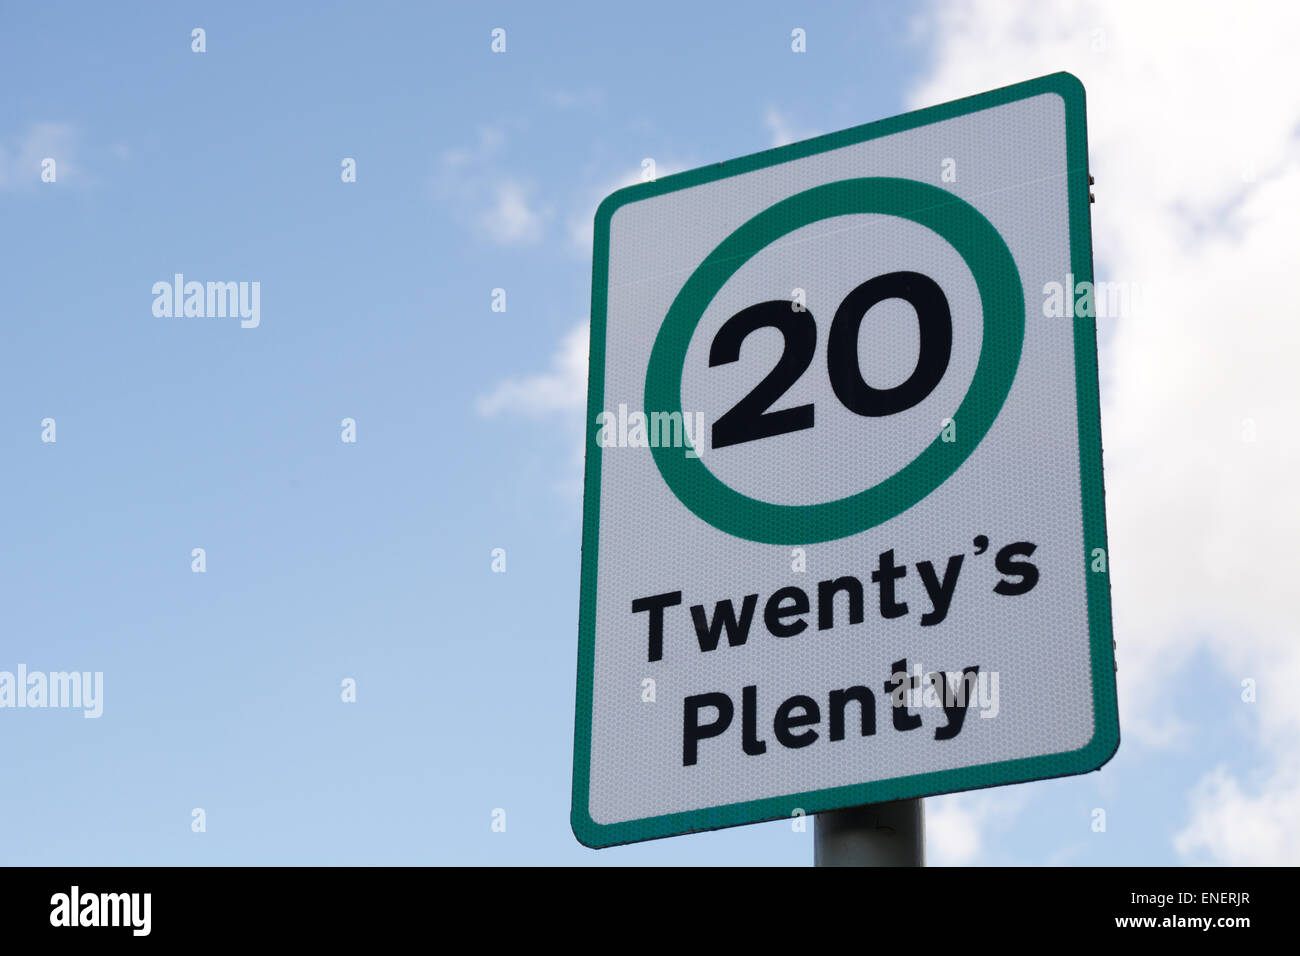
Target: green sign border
[
  {"x": 1003, "y": 301},
  {"x": 1105, "y": 740}
]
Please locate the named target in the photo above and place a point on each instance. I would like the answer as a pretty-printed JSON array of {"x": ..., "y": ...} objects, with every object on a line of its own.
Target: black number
[
  {"x": 750, "y": 418},
  {"x": 935, "y": 321}
]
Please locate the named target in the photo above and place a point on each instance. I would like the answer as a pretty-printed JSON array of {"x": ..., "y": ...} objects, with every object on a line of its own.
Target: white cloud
[
  {"x": 496, "y": 206},
  {"x": 559, "y": 393},
  {"x": 560, "y": 390},
  {"x": 511, "y": 220},
  {"x": 490, "y": 140},
  {"x": 952, "y": 834},
  {"x": 782, "y": 128},
  {"x": 20, "y": 164},
  {"x": 1229, "y": 826},
  {"x": 1192, "y": 140},
  {"x": 955, "y": 825}
]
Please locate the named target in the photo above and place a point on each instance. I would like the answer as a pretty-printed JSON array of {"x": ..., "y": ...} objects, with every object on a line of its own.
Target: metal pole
[{"x": 879, "y": 834}]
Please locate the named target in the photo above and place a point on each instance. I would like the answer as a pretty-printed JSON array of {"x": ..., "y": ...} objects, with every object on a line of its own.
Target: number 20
[{"x": 749, "y": 419}]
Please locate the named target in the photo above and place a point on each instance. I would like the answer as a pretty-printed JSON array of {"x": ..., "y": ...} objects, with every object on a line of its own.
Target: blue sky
[{"x": 372, "y": 560}]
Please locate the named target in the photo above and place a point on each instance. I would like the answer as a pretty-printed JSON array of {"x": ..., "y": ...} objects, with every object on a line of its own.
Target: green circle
[{"x": 1001, "y": 296}]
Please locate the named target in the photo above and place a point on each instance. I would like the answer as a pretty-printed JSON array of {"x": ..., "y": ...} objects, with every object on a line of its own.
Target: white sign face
[{"x": 844, "y": 538}]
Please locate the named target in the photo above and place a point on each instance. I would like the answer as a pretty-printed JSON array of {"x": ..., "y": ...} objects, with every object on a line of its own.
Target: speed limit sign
[{"x": 844, "y": 536}]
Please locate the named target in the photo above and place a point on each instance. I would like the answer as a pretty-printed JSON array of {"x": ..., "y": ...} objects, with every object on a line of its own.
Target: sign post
[
  {"x": 881, "y": 834},
  {"x": 844, "y": 539}
]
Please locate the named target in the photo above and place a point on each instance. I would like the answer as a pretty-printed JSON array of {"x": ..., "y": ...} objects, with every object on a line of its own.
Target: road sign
[{"x": 843, "y": 532}]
